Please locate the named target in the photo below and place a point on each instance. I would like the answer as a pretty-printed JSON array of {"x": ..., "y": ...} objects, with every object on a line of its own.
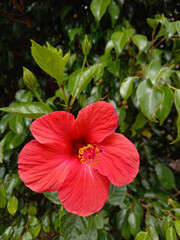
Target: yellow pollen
[{"x": 89, "y": 154}]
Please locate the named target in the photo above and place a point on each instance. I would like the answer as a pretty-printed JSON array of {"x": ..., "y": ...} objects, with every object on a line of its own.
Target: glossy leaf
[
  {"x": 117, "y": 194},
  {"x": 49, "y": 61},
  {"x": 177, "y": 226},
  {"x": 149, "y": 98},
  {"x": 72, "y": 33},
  {"x": 3, "y": 123},
  {"x": 32, "y": 210},
  {"x": 13, "y": 140},
  {"x": 133, "y": 221},
  {"x": 126, "y": 87},
  {"x": 74, "y": 227},
  {"x": 77, "y": 83},
  {"x": 2, "y": 143},
  {"x": 16, "y": 123},
  {"x": 99, "y": 221},
  {"x": 27, "y": 236},
  {"x": 46, "y": 223},
  {"x": 2, "y": 197},
  {"x": 140, "y": 41},
  {"x": 114, "y": 11},
  {"x": 142, "y": 236},
  {"x": 165, "y": 175},
  {"x": 31, "y": 110},
  {"x": 35, "y": 230},
  {"x": 7, "y": 233},
  {"x": 171, "y": 234},
  {"x": 177, "y": 104},
  {"x": 125, "y": 231},
  {"x": 98, "y": 8},
  {"x": 12, "y": 205},
  {"x": 153, "y": 70},
  {"x": 178, "y": 27},
  {"x": 53, "y": 197},
  {"x": 139, "y": 123},
  {"x": 119, "y": 40},
  {"x": 166, "y": 105},
  {"x": 121, "y": 218},
  {"x": 153, "y": 233}
]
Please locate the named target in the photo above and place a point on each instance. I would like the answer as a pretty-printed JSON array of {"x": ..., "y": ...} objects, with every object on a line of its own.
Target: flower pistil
[{"x": 89, "y": 154}]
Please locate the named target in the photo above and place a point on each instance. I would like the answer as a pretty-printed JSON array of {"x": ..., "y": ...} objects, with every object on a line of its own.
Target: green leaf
[
  {"x": 98, "y": 8},
  {"x": 177, "y": 104},
  {"x": 119, "y": 40},
  {"x": 153, "y": 233},
  {"x": 166, "y": 105},
  {"x": 142, "y": 236},
  {"x": 126, "y": 87},
  {"x": 114, "y": 11},
  {"x": 140, "y": 41},
  {"x": 74, "y": 227},
  {"x": 121, "y": 218},
  {"x": 165, "y": 175},
  {"x": 76, "y": 85},
  {"x": 53, "y": 197},
  {"x": 48, "y": 60},
  {"x": 104, "y": 236},
  {"x": 113, "y": 66},
  {"x": 16, "y": 123},
  {"x": 72, "y": 33},
  {"x": 46, "y": 223},
  {"x": 7, "y": 233},
  {"x": 12, "y": 183},
  {"x": 13, "y": 140},
  {"x": 2, "y": 143},
  {"x": 2, "y": 172},
  {"x": 2, "y": 197},
  {"x": 139, "y": 123},
  {"x": 23, "y": 96},
  {"x": 117, "y": 194},
  {"x": 171, "y": 234},
  {"x": 134, "y": 224},
  {"x": 35, "y": 230},
  {"x": 149, "y": 98},
  {"x": 177, "y": 212},
  {"x": 32, "y": 210},
  {"x": 27, "y": 236},
  {"x": 126, "y": 231},
  {"x": 109, "y": 46},
  {"x": 3, "y": 123},
  {"x": 17, "y": 233},
  {"x": 12, "y": 205},
  {"x": 153, "y": 70},
  {"x": 99, "y": 221},
  {"x": 152, "y": 22},
  {"x": 28, "y": 109},
  {"x": 178, "y": 27},
  {"x": 177, "y": 226}
]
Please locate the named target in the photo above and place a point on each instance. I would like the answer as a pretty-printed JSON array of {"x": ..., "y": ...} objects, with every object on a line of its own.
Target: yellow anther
[{"x": 89, "y": 154}]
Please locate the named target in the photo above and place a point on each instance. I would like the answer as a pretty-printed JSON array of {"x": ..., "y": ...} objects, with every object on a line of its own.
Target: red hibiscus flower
[{"x": 78, "y": 157}]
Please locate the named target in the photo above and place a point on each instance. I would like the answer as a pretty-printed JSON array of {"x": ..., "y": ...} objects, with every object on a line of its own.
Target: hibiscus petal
[
  {"x": 97, "y": 121},
  {"x": 85, "y": 190},
  {"x": 41, "y": 167},
  {"x": 119, "y": 159},
  {"x": 53, "y": 127}
]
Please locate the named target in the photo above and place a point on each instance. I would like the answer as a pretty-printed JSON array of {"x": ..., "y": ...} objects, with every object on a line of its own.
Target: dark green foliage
[{"x": 131, "y": 59}]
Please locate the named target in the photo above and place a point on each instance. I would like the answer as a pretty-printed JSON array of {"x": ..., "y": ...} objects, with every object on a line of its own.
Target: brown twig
[{"x": 20, "y": 8}]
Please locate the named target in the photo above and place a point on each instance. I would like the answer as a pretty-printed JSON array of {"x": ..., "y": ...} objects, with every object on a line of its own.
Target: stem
[
  {"x": 157, "y": 44},
  {"x": 65, "y": 99},
  {"x": 41, "y": 101},
  {"x": 73, "y": 99}
]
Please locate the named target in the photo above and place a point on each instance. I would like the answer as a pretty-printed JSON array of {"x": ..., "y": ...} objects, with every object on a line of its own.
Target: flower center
[{"x": 89, "y": 154}]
